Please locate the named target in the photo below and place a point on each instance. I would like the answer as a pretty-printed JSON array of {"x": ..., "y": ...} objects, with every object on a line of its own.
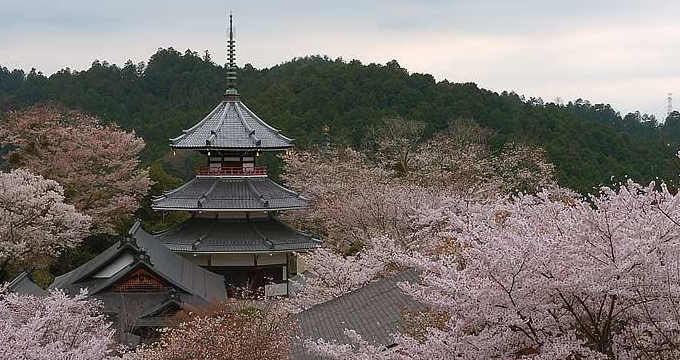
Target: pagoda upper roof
[
  {"x": 215, "y": 193},
  {"x": 232, "y": 126},
  {"x": 200, "y": 235}
]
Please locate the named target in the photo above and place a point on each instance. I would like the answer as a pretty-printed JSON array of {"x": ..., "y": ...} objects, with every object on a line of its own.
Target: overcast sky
[{"x": 623, "y": 52}]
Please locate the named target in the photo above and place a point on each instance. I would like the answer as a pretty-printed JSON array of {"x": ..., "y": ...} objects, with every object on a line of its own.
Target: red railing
[{"x": 232, "y": 170}]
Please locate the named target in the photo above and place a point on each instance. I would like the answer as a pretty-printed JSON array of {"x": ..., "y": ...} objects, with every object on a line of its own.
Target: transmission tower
[{"x": 669, "y": 104}]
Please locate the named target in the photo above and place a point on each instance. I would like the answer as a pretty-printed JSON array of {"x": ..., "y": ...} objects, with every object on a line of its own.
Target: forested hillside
[{"x": 588, "y": 143}]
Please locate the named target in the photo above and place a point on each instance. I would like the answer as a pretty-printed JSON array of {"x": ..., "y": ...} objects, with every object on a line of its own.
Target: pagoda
[{"x": 234, "y": 229}]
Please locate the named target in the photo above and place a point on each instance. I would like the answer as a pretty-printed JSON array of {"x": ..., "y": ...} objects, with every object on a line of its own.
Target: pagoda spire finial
[{"x": 231, "y": 60}]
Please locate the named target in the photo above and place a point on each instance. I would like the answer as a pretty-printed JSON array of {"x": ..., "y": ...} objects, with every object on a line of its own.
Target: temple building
[
  {"x": 233, "y": 240},
  {"x": 141, "y": 283},
  {"x": 234, "y": 229}
]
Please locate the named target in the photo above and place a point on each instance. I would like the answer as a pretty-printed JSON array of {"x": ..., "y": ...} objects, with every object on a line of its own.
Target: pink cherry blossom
[
  {"x": 549, "y": 276},
  {"x": 53, "y": 327},
  {"x": 34, "y": 221},
  {"x": 96, "y": 164}
]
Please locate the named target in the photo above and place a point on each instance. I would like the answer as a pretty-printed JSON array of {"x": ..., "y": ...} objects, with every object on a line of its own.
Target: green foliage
[
  {"x": 162, "y": 181},
  {"x": 354, "y": 248},
  {"x": 42, "y": 277},
  {"x": 588, "y": 143},
  {"x": 89, "y": 248}
]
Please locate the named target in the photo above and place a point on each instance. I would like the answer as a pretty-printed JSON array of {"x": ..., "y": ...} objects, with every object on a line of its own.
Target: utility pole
[{"x": 669, "y": 104}]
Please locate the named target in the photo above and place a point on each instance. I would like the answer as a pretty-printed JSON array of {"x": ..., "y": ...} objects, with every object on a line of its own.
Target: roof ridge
[
  {"x": 260, "y": 234},
  {"x": 185, "y": 262},
  {"x": 213, "y": 132},
  {"x": 259, "y": 196},
  {"x": 288, "y": 190},
  {"x": 257, "y": 118},
  {"x": 251, "y": 131},
  {"x": 204, "y": 196},
  {"x": 197, "y": 125},
  {"x": 154, "y": 310},
  {"x": 282, "y": 223},
  {"x": 205, "y": 233},
  {"x": 122, "y": 246},
  {"x": 170, "y": 192},
  {"x": 22, "y": 275}
]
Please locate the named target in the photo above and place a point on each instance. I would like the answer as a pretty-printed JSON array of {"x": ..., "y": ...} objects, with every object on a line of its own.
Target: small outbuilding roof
[
  {"x": 199, "y": 235},
  {"x": 232, "y": 126},
  {"x": 24, "y": 285},
  {"x": 214, "y": 193},
  {"x": 375, "y": 311}
]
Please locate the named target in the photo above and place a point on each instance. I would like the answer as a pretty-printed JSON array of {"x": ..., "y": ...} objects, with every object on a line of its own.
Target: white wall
[
  {"x": 230, "y": 214},
  {"x": 117, "y": 265},
  {"x": 232, "y": 260},
  {"x": 244, "y": 259},
  {"x": 271, "y": 259}
]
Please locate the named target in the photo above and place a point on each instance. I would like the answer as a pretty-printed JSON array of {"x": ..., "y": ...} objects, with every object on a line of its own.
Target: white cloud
[{"x": 621, "y": 52}]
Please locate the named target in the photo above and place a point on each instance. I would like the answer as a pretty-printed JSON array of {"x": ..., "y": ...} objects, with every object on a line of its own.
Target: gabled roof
[
  {"x": 23, "y": 284},
  {"x": 229, "y": 194},
  {"x": 232, "y": 126},
  {"x": 198, "y": 235},
  {"x": 143, "y": 309},
  {"x": 374, "y": 311},
  {"x": 151, "y": 255}
]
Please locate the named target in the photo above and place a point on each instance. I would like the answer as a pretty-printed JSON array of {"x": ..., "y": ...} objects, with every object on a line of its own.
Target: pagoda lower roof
[
  {"x": 199, "y": 235},
  {"x": 214, "y": 193},
  {"x": 231, "y": 125}
]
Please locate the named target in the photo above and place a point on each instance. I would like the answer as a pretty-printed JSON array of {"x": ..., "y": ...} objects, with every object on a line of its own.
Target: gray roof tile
[
  {"x": 172, "y": 267},
  {"x": 23, "y": 284},
  {"x": 374, "y": 311},
  {"x": 231, "y": 125},
  {"x": 211, "y": 193},
  {"x": 223, "y": 235}
]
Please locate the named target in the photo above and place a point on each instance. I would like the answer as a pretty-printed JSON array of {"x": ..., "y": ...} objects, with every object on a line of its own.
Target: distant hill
[{"x": 588, "y": 143}]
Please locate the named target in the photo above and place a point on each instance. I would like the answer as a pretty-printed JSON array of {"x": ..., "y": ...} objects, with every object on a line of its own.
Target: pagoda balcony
[{"x": 232, "y": 171}]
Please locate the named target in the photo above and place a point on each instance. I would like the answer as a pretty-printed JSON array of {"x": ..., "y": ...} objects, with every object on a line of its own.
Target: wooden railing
[{"x": 231, "y": 171}]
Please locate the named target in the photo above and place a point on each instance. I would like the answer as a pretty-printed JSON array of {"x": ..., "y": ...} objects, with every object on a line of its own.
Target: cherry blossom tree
[
  {"x": 353, "y": 199},
  {"x": 456, "y": 160},
  {"x": 53, "y": 327},
  {"x": 35, "y": 223},
  {"x": 357, "y": 200},
  {"x": 550, "y": 276},
  {"x": 396, "y": 141},
  {"x": 334, "y": 275},
  {"x": 524, "y": 168},
  {"x": 95, "y": 163},
  {"x": 461, "y": 160},
  {"x": 227, "y": 331}
]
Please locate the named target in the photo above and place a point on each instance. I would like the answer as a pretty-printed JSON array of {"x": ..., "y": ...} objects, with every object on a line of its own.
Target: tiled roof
[
  {"x": 142, "y": 309},
  {"x": 374, "y": 311},
  {"x": 22, "y": 284},
  {"x": 181, "y": 273},
  {"x": 224, "y": 193},
  {"x": 198, "y": 235},
  {"x": 231, "y": 125}
]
